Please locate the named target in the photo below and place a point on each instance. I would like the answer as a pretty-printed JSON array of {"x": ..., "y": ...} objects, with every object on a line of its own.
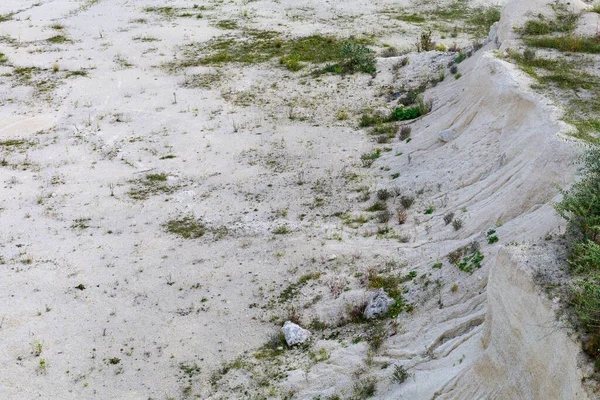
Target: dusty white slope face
[
  {"x": 500, "y": 338},
  {"x": 523, "y": 355},
  {"x": 116, "y": 307}
]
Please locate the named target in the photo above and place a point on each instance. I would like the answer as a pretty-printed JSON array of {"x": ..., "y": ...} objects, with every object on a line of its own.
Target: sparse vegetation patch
[
  {"x": 254, "y": 46},
  {"x": 151, "y": 185}
]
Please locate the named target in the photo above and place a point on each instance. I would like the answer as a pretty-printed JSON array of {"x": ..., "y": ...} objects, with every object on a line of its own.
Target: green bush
[
  {"x": 354, "y": 57},
  {"x": 586, "y": 302},
  {"x": 400, "y": 374},
  {"x": 585, "y": 256},
  {"x": 403, "y": 113},
  {"x": 581, "y": 208},
  {"x": 365, "y": 388},
  {"x": 367, "y": 120}
]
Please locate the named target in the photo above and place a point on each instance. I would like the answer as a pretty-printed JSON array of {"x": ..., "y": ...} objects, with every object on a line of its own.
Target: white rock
[
  {"x": 379, "y": 303},
  {"x": 447, "y": 136},
  {"x": 294, "y": 334},
  {"x": 493, "y": 34}
]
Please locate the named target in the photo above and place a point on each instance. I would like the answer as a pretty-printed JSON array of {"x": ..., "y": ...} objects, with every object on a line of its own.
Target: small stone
[
  {"x": 294, "y": 334},
  {"x": 447, "y": 136},
  {"x": 379, "y": 303},
  {"x": 332, "y": 257}
]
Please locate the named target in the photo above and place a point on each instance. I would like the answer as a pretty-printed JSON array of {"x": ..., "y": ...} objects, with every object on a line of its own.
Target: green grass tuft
[
  {"x": 254, "y": 46},
  {"x": 57, "y": 39},
  {"x": 187, "y": 227},
  {"x": 567, "y": 43}
]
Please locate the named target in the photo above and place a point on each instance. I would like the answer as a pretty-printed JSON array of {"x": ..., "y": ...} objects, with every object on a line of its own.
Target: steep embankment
[
  {"x": 499, "y": 338},
  {"x": 183, "y": 178}
]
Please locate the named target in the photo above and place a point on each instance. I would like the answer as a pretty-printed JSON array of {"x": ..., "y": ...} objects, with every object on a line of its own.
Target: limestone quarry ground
[{"x": 180, "y": 178}]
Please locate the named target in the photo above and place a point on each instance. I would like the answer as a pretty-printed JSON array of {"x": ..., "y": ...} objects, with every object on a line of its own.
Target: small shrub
[
  {"x": 341, "y": 115},
  {"x": 585, "y": 256},
  {"x": 365, "y": 388},
  {"x": 425, "y": 42},
  {"x": 448, "y": 218},
  {"x": 369, "y": 158},
  {"x": 401, "y": 217},
  {"x": 383, "y": 217},
  {"x": 471, "y": 261},
  {"x": 409, "y": 98},
  {"x": 423, "y": 106},
  {"x": 400, "y": 374},
  {"x": 382, "y": 139},
  {"x": 281, "y": 230},
  {"x": 383, "y": 194},
  {"x": 440, "y": 47},
  {"x": 457, "y": 224},
  {"x": 354, "y": 57},
  {"x": 385, "y": 129},
  {"x": 407, "y": 201},
  {"x": 405, "y": 114},
  {"x": 367, "y": 120},
  {"x": 585, "y": 298},
  {"x": 377, "y": 206},
  {"x": 580, "y": 205},
  {"x": 455, "y": 256},
  {"x": 491, "y": 236}
]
